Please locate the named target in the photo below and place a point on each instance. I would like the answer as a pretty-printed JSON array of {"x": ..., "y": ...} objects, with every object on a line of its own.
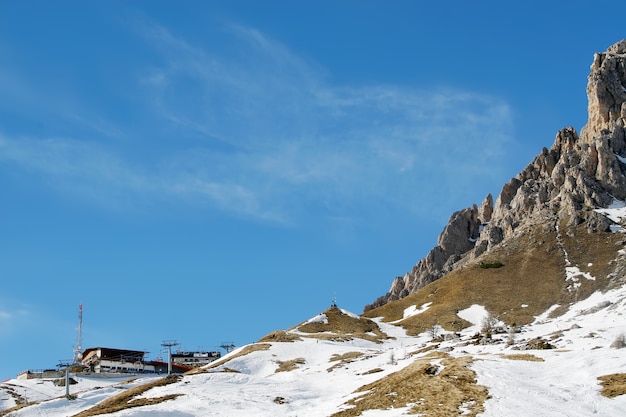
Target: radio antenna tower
[{"x": 78, "y": 349}]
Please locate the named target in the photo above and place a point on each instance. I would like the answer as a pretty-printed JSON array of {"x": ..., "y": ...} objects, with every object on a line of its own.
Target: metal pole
[
  {"x": 67, "y": 365},
  {"x": 67, "y": 382},
  {"x": 169, "y": 360},
  {"x": 169, "y": 344}
]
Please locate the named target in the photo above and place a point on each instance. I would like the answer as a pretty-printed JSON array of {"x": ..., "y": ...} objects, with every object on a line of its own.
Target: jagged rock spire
[{"x": 606, "y": 92}]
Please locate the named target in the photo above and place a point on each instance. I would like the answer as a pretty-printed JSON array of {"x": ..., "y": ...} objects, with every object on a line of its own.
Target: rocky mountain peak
[
  {"x": 566, "y": 182},
  {"x": 606, "y": 92}
]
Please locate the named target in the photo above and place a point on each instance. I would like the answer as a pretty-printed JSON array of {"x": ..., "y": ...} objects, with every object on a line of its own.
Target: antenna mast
[{"x": 78, "y": 349}]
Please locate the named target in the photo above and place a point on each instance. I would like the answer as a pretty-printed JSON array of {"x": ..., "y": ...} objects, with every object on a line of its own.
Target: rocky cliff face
[{"x": 578, "y": 174}]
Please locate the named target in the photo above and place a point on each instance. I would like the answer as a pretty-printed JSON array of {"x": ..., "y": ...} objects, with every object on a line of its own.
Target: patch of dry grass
[
  {"x": 533, "y": 275},
  {"x": 613, "y": 385},
  {"x": 127, "y": 399},
  {"x": 20, "y": 402},
  {"x": 346, "y": 356},
  {"x": 372, "y": 371},
  {"x": 426, "y": 348},
  {"x": 344, "y": 359},
  {"x": 227, "y": 370},
  {"x": 337, "y": 338},
  {"x": 341, "y": 326},
  {"x": 280, "y": 336},
  {"x": 15, "y": 408},
  {"x": 290, "y": 365},
  {"x": 523, "y": 357},
  {"x": 16, "y": 396},
  {"x": 433, "y": 394}
]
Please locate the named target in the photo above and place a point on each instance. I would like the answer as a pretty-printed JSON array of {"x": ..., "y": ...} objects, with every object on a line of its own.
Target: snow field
[{"x": 327, "y": 373}]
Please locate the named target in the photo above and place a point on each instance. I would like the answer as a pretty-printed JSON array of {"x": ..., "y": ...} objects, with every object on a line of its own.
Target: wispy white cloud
[
  {"x": 76, "y": 165},
  {"x": 279, "y": 138},
  {"x": 11, "y": 317}
]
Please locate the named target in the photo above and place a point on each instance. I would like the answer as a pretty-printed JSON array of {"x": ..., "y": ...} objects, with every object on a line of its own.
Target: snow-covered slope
[{"x": 317, "y": 374}]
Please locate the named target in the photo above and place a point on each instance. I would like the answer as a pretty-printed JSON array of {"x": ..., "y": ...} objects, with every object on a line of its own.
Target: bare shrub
[
  {"x": 489, "y": 324},
  {"x": 435, "y": 332},
  {"x": 511, "y": 339}
]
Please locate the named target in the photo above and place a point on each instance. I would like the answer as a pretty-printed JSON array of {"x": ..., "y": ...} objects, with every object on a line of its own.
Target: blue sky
[{"x": 213, "y": 171}]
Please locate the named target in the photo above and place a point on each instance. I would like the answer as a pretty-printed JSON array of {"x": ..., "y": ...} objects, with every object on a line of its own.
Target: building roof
[{"x": 116, "y": 354}]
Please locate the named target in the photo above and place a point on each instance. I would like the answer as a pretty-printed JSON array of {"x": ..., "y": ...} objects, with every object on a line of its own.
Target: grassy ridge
[{"x": 530, "y": 280}]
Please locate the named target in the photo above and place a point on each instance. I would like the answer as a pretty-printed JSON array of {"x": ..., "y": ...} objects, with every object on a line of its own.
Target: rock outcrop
[
  {"x": 458, "y": 237},
  {"x": 566, "y": 182}
]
